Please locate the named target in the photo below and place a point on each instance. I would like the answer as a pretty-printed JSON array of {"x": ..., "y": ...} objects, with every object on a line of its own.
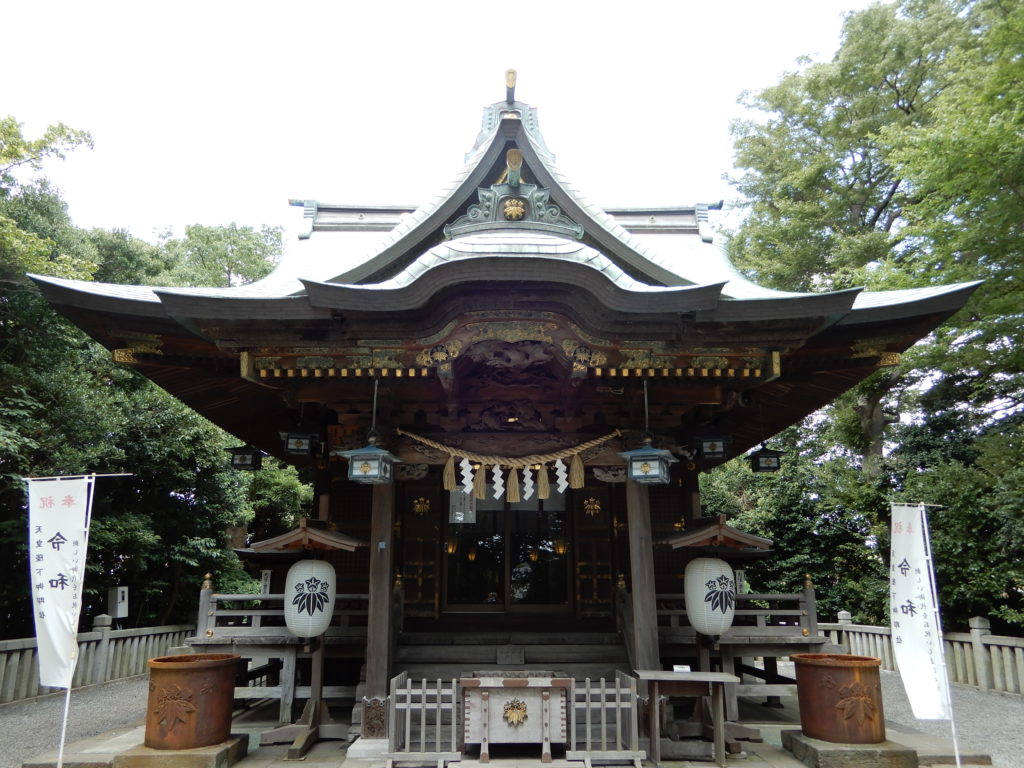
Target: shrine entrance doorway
[{"x": 501, "y": 557}]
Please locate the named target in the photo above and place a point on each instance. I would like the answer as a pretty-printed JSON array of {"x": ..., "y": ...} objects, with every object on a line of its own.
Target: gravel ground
[
  {"x": 31, "y": 727},
  {"x": 990, "y": 722},
  {"x": 987, "y": 722}
]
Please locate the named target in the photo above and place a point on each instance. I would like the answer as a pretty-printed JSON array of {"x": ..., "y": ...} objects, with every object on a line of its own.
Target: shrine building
[{"x": 486, "y": 360}]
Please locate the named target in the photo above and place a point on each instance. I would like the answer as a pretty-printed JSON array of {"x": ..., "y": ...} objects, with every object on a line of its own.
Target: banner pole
[
  {"x": 935, "y": 600},
  {"x": 64, "y": 728}
]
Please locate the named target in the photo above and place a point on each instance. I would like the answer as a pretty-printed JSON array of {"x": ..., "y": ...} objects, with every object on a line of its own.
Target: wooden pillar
[
  {"x": 690, "y": 482},
  {"x": 322, "y": 492},
  {"x": 378, "y": 621},
  {"x": 641, "y": 566}
]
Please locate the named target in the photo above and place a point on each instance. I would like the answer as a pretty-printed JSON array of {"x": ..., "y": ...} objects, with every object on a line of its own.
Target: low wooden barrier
[
  {"x": 423, "y": 721},
  {"x": 761, "y": 615},
  {"x": 604, "y": 724},
  {"x": 258, "y": 616},
  {"x": 103, "y": 654},
  {"x": 977, "y": 657}
]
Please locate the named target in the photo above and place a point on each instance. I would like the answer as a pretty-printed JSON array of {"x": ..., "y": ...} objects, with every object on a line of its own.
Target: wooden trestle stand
[{"x": 315, "y": 722}]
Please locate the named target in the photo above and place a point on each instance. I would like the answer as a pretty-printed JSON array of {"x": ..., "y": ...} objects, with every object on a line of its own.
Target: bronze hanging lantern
[
  {"x": 765, "y": 460},
  {"x": 299, "y": 443},
  {"x": 245, "y": 458},
  {"x": 370, "y": 465},
  {"x": 648, "y": 465},
  {"x": 713, "y": 446}
]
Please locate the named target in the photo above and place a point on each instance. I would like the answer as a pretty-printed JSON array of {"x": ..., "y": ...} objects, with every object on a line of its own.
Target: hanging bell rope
[{"x": 513, "y": 463}]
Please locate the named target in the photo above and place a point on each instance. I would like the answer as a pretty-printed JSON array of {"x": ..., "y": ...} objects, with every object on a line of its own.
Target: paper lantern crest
[
  {"x": 710, "y": 586},
  {"x": 309, "y": 597}
]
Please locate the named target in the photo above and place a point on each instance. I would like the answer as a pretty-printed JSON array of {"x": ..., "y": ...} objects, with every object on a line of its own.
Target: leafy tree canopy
[
  {"x": 66, "y": 408},
  {"x": 222, "y": 256},
  {"x": 897, "y": 164}
]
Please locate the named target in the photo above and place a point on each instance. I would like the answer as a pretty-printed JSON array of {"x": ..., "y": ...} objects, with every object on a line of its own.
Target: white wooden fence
[
  {"x": 977, "y": 657},
  {"x": 423, "y": 721},
  {"x": 103, "y": 654},
  {"x": 604, "y": 724}
]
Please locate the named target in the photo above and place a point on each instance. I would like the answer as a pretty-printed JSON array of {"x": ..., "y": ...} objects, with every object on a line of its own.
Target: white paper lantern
[
  {"x": 309, "y": 597},
  {"x": 710, "y": 586}
]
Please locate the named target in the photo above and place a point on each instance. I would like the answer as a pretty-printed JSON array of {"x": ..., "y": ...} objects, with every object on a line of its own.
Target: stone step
[
  {"x": 493, "y": 654},
  {"x": 448, "y": 671},
  {"x": 509, "y": 638}
]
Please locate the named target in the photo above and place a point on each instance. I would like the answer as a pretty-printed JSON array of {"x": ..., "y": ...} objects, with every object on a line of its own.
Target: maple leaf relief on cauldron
[
  {"x": 311, "y": 595},
  {"x": 856, "y": 701},
  {"x": 173, "y": 705},
  {"x": 721, "y": 593}
]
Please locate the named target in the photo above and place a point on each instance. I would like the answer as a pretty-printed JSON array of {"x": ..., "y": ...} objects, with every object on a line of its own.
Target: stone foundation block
[{"x": 824, "y": 754}]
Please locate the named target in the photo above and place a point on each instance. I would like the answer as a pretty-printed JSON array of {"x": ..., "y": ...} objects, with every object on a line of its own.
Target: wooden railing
[
  {"x": 103, "y": 654},
  {"x": 764, "y": 615},
  {"x": 423, "y": 721},
  {"x": 227, "y": 616},
  {"x": 976, "y": 657},
  {"x": 604, "y": 723}
]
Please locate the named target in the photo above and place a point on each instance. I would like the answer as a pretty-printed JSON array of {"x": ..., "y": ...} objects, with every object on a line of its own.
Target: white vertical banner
[
  {"x": 914, "y": 615},
  {"x": 58, "y": 537}
]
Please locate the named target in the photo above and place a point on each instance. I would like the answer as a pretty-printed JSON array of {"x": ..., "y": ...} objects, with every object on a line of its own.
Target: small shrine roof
[
  {"x": 716, "y": 532},
  {"x": 310, "y": 534}
]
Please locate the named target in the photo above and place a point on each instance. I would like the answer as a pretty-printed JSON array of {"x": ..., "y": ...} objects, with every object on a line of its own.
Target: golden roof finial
[{"x": 510, "y": 85}]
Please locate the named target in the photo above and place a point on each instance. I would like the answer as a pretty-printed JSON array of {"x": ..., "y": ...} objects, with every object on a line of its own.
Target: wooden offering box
[{"x": 515, "y": 708}]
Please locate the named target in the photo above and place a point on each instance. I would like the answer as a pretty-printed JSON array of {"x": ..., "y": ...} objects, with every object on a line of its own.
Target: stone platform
[
  {"x": 823, "y": 754},
  {"x": 102, "y": 751},
  {"x": 124, "y": 749}
]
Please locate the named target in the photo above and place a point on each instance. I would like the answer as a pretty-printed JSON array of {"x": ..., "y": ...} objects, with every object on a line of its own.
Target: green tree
[
  {"x": 823, "y": 199},
  {"x": 126, "y": 259},
  {"x": 222, "y": 256},
  {"x": 823, "y": 521},
  {"x": 66, "y": 408},
  {"x": 24, "y": 245},
  {"x": 898, "y": 164}
]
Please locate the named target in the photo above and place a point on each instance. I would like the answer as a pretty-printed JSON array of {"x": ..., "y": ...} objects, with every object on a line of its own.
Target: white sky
[{"x": 215, "y": 111}]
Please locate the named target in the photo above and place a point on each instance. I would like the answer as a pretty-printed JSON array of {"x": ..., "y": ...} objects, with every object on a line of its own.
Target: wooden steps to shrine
[{"x": 448, "y": 655}]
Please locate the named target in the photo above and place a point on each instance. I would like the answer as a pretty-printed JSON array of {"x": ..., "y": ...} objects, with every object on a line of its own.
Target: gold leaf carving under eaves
[
  {"x": 439, "y": 353},
  {"x": 513, "y": 331}
]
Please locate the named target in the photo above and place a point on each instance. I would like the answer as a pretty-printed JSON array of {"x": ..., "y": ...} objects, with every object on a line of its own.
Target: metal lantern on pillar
[
  {"x": 309, "y": 597},
  {"x": 710, "y": 591},
  {"x": 765, "y": 460}
]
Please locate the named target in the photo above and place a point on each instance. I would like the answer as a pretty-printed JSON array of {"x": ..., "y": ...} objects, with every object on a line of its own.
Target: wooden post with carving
[
  {"x": 378, "y": 621},
  {"x": 641, "y": 567}
]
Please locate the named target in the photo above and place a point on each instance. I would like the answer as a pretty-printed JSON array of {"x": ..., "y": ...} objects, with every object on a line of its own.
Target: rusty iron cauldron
[
  {"x": 190, "y": 700},
  {"x": 840, "y": 697}
]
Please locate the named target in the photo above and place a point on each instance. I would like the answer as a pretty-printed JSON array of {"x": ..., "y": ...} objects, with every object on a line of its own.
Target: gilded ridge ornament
[
  {"x": 515, "y": 712},
  {"x": 514, "y": 209}
]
